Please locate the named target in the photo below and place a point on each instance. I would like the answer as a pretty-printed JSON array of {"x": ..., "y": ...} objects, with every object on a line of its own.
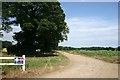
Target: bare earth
[{"x": 85, "y": 67}]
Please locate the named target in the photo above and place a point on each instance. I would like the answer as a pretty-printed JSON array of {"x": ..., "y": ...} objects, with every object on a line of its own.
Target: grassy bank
[
  {"x": 35, "y": 66},
  {"x": 106, "y": 55}
]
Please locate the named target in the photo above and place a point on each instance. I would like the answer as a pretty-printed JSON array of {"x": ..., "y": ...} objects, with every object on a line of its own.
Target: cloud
[
  {"x": 91, "y": 31},
  {"x": 8, "y": 36},
  {"x": 16, "y": 28}
]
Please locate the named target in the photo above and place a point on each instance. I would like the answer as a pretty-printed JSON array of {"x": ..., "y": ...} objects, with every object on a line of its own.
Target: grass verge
[{"x": 35, "y": 66}]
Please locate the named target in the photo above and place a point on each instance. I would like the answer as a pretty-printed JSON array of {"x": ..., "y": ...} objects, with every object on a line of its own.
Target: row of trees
[{"x": 87, "y": 48}]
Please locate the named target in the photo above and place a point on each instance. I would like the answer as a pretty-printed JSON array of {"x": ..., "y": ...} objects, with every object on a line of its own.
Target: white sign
[{"x": 17, "y": 61}]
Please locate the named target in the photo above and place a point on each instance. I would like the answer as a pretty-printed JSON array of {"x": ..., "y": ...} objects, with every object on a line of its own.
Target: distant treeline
[
  {"x": 12, "y": 48},
  {"x": 88, "y": 48}
]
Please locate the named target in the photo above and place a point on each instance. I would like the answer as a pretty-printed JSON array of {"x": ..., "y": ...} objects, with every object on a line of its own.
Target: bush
[{"x": 13, "y": 50}]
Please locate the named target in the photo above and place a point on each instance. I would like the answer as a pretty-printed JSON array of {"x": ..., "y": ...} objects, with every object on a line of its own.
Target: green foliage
[
  {"x": 43, "y": 24},
  {"x": 13, "y": 50},
  {"x": 87, "y": 48},
  {"x": 6, "y": 44}
]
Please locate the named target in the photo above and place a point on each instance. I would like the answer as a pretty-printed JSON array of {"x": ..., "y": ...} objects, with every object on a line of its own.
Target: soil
[{"x": 84, "y": 67}]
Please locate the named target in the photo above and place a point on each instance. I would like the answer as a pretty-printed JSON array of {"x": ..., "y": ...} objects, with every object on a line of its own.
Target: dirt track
[{"x": 85, "y": 67}]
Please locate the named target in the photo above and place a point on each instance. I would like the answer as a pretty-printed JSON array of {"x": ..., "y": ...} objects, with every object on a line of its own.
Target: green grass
[
  {"x": 109, "y": 56},
  {"x": 35, "y": 66},
  {"x": 37, "y": 62}
]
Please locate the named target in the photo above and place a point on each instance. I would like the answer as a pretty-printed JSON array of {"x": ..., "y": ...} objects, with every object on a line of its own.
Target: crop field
[{"x": 106, "y": 55}]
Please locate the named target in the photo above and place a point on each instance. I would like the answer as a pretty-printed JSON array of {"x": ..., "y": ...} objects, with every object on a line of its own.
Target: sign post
[{"x": 23, "y": 67}]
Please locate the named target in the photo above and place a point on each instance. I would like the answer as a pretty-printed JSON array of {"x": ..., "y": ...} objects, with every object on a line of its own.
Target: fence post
[{"x": 23, "y": 66}]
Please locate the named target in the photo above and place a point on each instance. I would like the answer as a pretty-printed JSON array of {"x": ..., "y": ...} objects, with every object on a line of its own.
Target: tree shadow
[
  {"x": 43, "y": 54},
  {"x": 38, "y": 54}
]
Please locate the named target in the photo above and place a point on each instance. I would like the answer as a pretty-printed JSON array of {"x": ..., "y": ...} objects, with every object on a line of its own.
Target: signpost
[{"x": 17, "y": 61}]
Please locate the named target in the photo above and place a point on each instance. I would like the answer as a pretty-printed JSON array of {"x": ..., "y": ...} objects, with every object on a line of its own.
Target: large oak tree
[{"x": 42, "y": 24}]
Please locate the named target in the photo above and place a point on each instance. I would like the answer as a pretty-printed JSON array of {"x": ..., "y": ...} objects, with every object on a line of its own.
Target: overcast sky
[{"x": 90, "y": 24}]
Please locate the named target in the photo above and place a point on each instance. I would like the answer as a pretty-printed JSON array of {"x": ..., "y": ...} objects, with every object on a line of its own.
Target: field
[
  {"x": 34, "y": 66},
  {"x": 106, "y": 55}
]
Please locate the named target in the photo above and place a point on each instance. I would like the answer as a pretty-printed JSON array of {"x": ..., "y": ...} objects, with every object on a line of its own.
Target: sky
[{"x": 90, "y": 24}]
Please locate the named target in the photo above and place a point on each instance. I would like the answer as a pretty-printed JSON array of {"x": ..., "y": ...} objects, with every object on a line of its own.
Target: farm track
[{"x": 84, "y": 67}]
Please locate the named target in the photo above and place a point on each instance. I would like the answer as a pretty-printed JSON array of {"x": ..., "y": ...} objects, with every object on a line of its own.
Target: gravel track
[{"x": 84, "y": 67}]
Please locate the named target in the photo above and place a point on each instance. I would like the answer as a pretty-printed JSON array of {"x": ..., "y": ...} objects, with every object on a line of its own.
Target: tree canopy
[{"x": 42, "y": 23}]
